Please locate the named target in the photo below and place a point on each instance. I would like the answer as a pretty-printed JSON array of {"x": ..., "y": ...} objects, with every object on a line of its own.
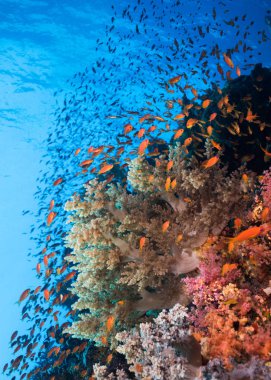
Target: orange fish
[
  {"x": 24, "y": 295},
  {"x": 228, "y": 268},
  {"x": 38, "y": 268},
  {"x": 179, "y": 238},
  {"x": 209, "y": 163},
  {"x": 128, "y": 128},
  {"x": 249, "y": 233},
  {"x": 143, "y": 146},
  {"x": 178, "y": 134},
  {"x": 216, "y": 145},
  {"x": 145, "y": 117},
  {"x": 46, "y": 294},
  {"x": 165, "y": 226},
  {"x": 194, "y": 92},
  {"x": 191, "y": 122},
  {"x": 69, "y": 276},
  {"x": 51, "y": 216},
  {"x": 173, "y": 183},
  {"x": 205, "y": 103},
  {"x": 77, "y": 151},
  {"x": 167, "y": 184},
  {"x": 175, "y": 80},
  {"x": 52, "y": 203},
  {"x": 58, "y": 181},
  {"x": 187, "y": 141},
  {"x": 109, "y": 358},
  {"x": 152, "y": 128},
  {"x": 54, "y": 350},
  {"x": 238, "y": 71},
  {"x": 104, "y": 340},
  {"x": 169, "y": 165},
  {"x": 250, "y": 117},
  {"x": 212, "y": 116},
  {"x": 237, "y": 223},
  {"x": 228, "y": 61},
  {"x": 45, "y": 260},
  {"x": 110, "y": 323},
  {"x": 105, "y": 168},
  {"x": 179, "y": 116},
  {"x": 209, "y": 130},
  {"x": 86, "y": 162},
  {"x": 141, "y": 133},
  {"x": 245, "y": 178}
]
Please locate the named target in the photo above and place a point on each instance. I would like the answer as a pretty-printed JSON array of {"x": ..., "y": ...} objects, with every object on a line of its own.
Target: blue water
[{"x": 43, "y": 44}]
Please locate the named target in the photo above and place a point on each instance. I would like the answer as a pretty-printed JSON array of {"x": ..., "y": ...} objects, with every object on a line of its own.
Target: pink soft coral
[{"x": 266, "y": 188}]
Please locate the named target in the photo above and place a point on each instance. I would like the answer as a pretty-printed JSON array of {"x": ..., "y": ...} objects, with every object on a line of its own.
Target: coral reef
[
  {"x": 162, "y": 349},
  {"x": 129, "y": 258},
  {"x": 231, "y": 310}
]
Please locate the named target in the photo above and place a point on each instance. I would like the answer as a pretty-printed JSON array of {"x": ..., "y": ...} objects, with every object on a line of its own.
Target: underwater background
[{"x": 80, "y": 81}]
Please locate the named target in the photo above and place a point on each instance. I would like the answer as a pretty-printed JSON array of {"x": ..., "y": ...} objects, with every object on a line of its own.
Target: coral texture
[
  {"x": 231, "y": 316},
  {"x": 131, "y": 244},
  {"x": 159, "y": 350}
]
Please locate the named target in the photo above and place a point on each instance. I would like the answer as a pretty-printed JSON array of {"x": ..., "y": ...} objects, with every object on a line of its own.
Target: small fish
[
  {"x": 24, "y": 295},
  {"x": 228, "y": 61},
  {"x": 110, "y": 322},
  {"x": 38, "y": 267},
  {"x": 216, "y": 145},
  {"x": 175, "y": 80},
  {"x": 237, "y": 223},
  {"x": 187, "y": 141},
  {"x": 77, "y": 151},
  {"x": 143, "y": 146},
  {"x": 69, "y": 276},
  {"x": 250, "y": 117},
  {"x": 165, "y": 226},
  {"x": 212, "y": 116},
  {"x": 109, "y": 358},
  {"x": 169, "y": 165},
  {"x": 178, "y": 134},
  {"x": 210, "y": 130},
  {"x": 45, "y": 260},
  {"x": 58, "y": 181},
  {"x": 179, "y": 238},
  {"x": 46, "y": 294},
  {"x": 211, "y": 162},
  {"x": 245, "y": 178},
  {"x": 128, "y": 128},
  {"x": 191, "y": 122},
  {"x": 249, "y": 233},
  {"x": 173, "y": 183},
  {"x": 86, "y": 162},
  {"x": 104, "y": 340},
  {"x": 105, "y": 168},
  {"x": 167, "y": 184},
  {"x": 51, "y": 216},
  {"x": 179, "y": 116},
  {"x": 52, "y": 203},
  {"x": 228, "y": 268},
  {"x": 205, "y": 103},
  {"x": 238, "y": 71},
  {"x": 141, "y": 133}
]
